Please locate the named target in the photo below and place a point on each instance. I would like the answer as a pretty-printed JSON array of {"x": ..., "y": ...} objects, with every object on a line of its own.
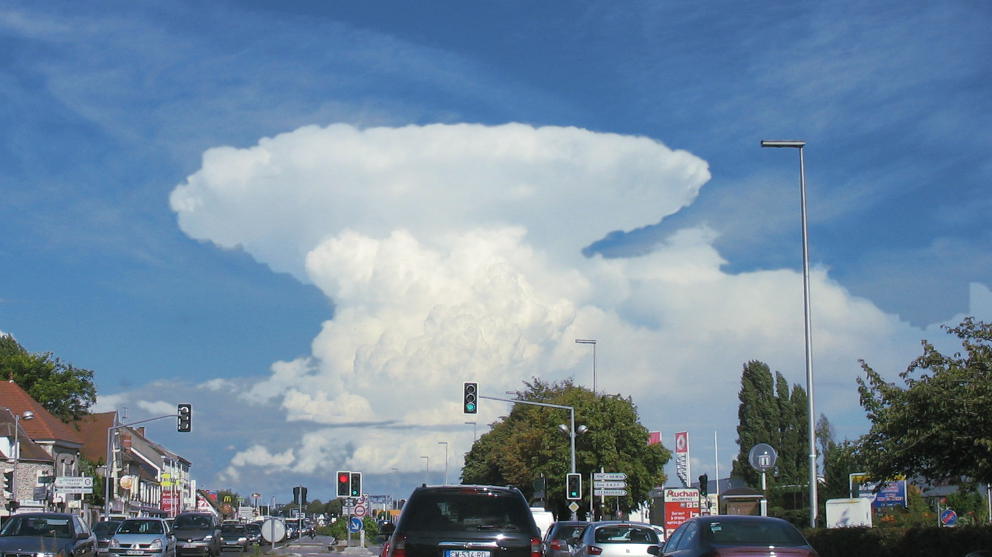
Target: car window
[
  {"x": 625, "y": 533},
  {"x": 468, "y": 511},
  {"x": 105, "y": 528},
  {"x": 754, "y": 532},
  {"x": 193, "y": 521},
  {"x": 41, "y": 526},
  {"x": 673, "y": 540},
  {"x": 141, "y": 527},
  {"x": 689, "y": 536},
  {"x": 230, "y": 529}
]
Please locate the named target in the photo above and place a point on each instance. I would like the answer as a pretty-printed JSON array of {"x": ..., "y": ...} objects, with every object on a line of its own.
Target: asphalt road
[{"x": 319, "y": 545}]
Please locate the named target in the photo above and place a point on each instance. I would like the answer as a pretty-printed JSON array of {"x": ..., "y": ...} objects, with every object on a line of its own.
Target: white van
[{"x": 543, "y": 518}]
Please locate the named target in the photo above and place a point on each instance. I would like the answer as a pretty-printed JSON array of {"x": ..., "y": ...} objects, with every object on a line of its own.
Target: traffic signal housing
[
  {"x": 344, "y": 483},
  {"x": 185, "y": 417},
  {"x": 573, "y": 487},
  {"x": 704, "y": 486},
  {"x": 470, "y": 398},
  {"x": 356, "y": 484}
]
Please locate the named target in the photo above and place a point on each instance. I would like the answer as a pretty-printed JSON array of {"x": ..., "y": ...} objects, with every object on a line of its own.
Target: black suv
[
  {"x": 197, "y": 534},
  {"x": 465, "y": 521}
]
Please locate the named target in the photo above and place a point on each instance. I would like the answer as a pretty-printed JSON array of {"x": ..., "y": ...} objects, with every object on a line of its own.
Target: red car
[{"x": 737, "y": 536}]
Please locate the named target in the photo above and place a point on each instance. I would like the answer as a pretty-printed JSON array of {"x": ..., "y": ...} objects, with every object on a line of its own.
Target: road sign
[
  {"x": 74, "y": 481},
  {"x": 762, "y": 457},
  {"x": 948, "y": 517},
  {"x": 609, "y": 476},
  {"x": 609, "y": 492},
  {"x": 605, "y": 484},
  {"x": 573, "y": 506},
  {"x": 273, "y": 530},
  {"x": 359, "y": 511},
  {"x": 355, "y": 525}
]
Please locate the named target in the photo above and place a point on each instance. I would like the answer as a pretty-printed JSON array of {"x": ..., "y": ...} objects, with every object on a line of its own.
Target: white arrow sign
[
  {"x": 605, "y": 484},
  {"x": 610, "y": 492},
  {"x": 609, "y": 476}
]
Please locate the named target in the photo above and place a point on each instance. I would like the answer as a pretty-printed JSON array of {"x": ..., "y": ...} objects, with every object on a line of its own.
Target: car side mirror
[
  {"x": 654, "y": 550},
  {"x": 82, "y": 535}
]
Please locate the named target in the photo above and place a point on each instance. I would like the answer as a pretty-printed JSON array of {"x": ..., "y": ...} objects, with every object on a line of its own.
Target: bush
[{"x": 899, "y": 542}]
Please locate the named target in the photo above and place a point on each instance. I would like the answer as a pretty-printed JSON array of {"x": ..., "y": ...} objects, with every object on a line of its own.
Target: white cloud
[
  {"x": 452, "y": 253},
  {"x": 157, "y": 407}
]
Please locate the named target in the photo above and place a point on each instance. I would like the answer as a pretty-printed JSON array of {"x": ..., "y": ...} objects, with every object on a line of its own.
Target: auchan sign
[{"x": 681, "y": 504}]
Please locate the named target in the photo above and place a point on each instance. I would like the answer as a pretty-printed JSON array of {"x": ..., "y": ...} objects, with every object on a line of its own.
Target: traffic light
[
  {"x": 8, "y": 485},
  {"x": 704, "y": 487},
  {"x": 300, "y": 496},
  {"x": 356, "y": 484},
  {"x": 185, "y": 412},
  {"x": 573, "y": 486},
  {"x": 344, "y": 483},
  {"x": 470, "y": 402}
]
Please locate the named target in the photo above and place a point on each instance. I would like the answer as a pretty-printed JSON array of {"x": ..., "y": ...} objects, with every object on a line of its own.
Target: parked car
[
  {"x": 562, "y": 537},
  {"x": 618, "y": 538},
  {"x": 465, "y": 521},
  {"x": 46, "y": 534},
  {"x": 146, "y": 537},
  {"x": 731, "y": 535},
  {"x": 104, "y": 530},
  {"x": 197, "y": 533},
  {"x": 233, "y": 536}
]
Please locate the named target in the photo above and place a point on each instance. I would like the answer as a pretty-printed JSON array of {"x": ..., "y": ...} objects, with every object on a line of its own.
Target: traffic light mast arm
[{"x": 570, "y": 409}]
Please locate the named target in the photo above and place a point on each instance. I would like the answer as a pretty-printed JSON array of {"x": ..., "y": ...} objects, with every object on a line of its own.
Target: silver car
[
  {"x": 618, "y": 539},
  {"x": 143, "y": 537}
]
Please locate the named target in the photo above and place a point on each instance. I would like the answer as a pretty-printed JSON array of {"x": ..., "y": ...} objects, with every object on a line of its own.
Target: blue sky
[{"x": 302, "y": 216}]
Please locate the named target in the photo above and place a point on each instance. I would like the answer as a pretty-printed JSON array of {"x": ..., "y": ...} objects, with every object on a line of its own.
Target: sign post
[{"x": 762, "y": 458}]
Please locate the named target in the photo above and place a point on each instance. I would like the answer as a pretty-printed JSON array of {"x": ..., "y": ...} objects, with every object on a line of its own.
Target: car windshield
[
  {"x": 141, "y": 527},
  {"x": 233, "y": 529},
  {"x": 253, "y": 527},
  {"x": 753, "y": 532},
  {"x": 105, "y": 528},
  {"x": 469, "y": 511},
  {"x": 625, "y": 533},
  {"x": 43, "y": 526},
  {"x": 192, "y": 521}
]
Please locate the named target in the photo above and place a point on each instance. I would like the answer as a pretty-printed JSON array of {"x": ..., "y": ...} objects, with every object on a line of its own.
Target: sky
[{"x": 315, "y": 220}]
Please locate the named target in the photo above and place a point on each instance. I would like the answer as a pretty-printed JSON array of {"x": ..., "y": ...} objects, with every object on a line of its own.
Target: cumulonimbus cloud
[{"x": 453, "y": 252}]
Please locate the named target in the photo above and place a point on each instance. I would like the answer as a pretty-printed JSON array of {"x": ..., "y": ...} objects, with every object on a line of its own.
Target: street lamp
[
  {"x": 593, "y": 343},
  {"x": 15, "y": 452},
  {"x": 427, "y": 468},
  {"x": 809, "y": 354},
  {"x": 445, "y": 443}
]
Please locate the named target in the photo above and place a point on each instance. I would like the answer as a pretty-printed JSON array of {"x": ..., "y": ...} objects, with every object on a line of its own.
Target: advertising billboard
[{"x": 681, "y": 504}]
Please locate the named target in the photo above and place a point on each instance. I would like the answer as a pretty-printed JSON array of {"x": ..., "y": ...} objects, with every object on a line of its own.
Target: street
[{"x": 319, "y": 545}]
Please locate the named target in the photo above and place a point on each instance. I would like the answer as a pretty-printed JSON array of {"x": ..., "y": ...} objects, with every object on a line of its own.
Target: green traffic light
[{"x": 470, "y": 407}]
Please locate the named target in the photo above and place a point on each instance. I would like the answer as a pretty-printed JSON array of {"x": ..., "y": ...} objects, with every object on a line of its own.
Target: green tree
[
  {"x": 528, "y": 443},
  {"x": 63, "y": 389},
  {"x": 939, "y": 424},
  {"x": 769, "y": 412}
]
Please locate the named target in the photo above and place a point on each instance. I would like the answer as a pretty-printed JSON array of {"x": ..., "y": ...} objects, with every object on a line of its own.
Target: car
[
  {"x": 254, "y": 530},
  {"x": 234, "y": 536},
  {"x": 197, "y": 533},
  {"x": 104, "y": 530},
  {"x": 145, "y": 537},
  {"x": 465, "y": 521},
  {"x": 562, "y": 536},
  {"x": 613, "y": 538},
  {"x": 43, "y": 534},
  {"x": 728, "y": 535},
  {"x": 543, "y": 518}
]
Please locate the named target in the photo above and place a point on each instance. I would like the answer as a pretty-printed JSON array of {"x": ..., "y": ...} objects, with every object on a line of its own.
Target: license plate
[
  {"x": 465, "y": 553},
  {"x": 134, "y": 552}
]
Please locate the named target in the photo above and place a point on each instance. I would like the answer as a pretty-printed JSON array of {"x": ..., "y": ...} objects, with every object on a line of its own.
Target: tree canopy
[
  {"x": 527, "y": 445},
  {"x": 939, "y": 424},
  {"x": 770, "y": 412},
  {"x": 63, "y": 389}
]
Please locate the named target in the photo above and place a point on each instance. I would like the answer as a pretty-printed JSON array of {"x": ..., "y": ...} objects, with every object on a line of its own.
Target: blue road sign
[
  {"x": 355, "y": 525},
  {"x": 948, "y": 517}
]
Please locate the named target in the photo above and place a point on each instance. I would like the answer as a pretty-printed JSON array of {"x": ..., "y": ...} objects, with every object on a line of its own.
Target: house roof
[
  {"x": 44, "y": 426},
  {"x": 29, "y": 449},
  {"x": 93, "y": 431}
]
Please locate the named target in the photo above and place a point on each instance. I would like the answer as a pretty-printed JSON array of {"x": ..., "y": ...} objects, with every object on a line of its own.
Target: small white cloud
[{"x": 157, "y": 407}]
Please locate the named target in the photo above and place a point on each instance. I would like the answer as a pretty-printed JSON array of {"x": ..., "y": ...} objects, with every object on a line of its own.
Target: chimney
[{"x": 141, "y": 431}]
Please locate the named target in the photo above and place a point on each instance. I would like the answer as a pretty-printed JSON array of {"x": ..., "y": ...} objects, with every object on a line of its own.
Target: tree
[
  {"x": 770, "y": 413},
  {"x": 528, "y": 443},
  {"x": 939, "y": 425},
  {"x": 63, "y": 389}
]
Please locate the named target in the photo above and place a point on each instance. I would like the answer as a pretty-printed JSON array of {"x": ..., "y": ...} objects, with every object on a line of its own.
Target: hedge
[{"x": 900, "y": 542}]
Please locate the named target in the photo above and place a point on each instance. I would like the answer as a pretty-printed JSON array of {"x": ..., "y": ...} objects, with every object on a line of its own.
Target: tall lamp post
[
  {"x": 809, "y": 354},
  {"x": 593, "y": 343},
  {"x": 445, "y": 443},
  {"x": 15, "y": 451}
]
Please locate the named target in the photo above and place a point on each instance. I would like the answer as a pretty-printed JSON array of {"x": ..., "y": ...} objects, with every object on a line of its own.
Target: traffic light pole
[
  {"x": 110, "y": 456},
  {"x": 571, "y": 425}
]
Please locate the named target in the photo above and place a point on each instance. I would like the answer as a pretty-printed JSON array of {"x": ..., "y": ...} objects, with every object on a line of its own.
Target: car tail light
[
  {"x": 556, "y": 545},
  {"x": 398, "y": 548},
  {"x": 595, "y": 550},
  {"x": 535, "y": 547}
]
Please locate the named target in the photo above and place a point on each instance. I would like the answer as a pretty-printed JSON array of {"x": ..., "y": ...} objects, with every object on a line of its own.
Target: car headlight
[
  {"x": 47, "y": 554},
  {"x": 207, "y": 538},
  {"x": 113, "y": 543},
  {"x": 242, "y": 539},
  {"x": 156, "y": 544}
]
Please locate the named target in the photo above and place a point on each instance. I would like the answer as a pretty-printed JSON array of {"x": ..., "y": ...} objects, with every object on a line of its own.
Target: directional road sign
[
  {"x": 609, "y": 492},
  {"x": 611, "y": 485},
  {"x": 614, "y": 476},
  {"x": 355, "y": 525}
]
